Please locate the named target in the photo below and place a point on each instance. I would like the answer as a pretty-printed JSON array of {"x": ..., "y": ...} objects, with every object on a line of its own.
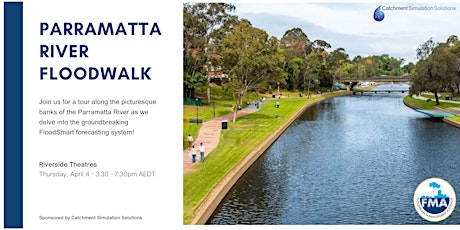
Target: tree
[
  {"x": 320, "y": 45},
  {"x": 296, "y": 46},
  {"x": 359, "y": 70},
  {"x": 204, "y": 26},
  {"x": 197, "y": 81},
  {"x": 295, "y": 66},
  {"x": 407, "y": 69},
  {"x": 436, "y": 72},
  {"x": 394, "y": 66},
  {"x": 337, "y": 60},
  {"x": 452, "y": 40},
  {"x": 424, "y": 50},
  {"x": 324, "y": 78},
  {"x": 311, "y": 74},
  {"x": 250, "y": 58},
  {"x": 454, "y": 47}
]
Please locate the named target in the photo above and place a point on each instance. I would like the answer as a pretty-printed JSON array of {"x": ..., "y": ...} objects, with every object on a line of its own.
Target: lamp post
[
  {"x": 213, "y": 106},
  {"x": 196, "y": 103}
]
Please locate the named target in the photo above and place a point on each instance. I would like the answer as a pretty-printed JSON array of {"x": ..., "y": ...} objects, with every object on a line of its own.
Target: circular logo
[
  {"x": 434, "y": 199},
  {"x": 378, "y": 14}
]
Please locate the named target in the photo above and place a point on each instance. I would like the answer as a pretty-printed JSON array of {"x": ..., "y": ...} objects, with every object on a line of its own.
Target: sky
[{"x": 352, "y": 26}]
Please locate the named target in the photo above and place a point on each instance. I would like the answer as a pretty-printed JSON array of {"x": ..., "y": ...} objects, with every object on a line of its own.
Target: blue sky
[{"x": 352, "y": 26}]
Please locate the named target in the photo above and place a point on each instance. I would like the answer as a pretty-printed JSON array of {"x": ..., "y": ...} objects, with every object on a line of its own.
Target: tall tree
[
  {"x": 312, "y": 70},
  {"x": 454, "y": 44},
  {"x": 337, "y": 60},
  {"x": 295, "y": 67},
  {"x": 407, "y": 68},
  {"x": 359, "y": 69},
  {"x": 424, "y": 50},
  {"x": 296, "y": 46},
  {"x": 452, "y": 40},
  {"x": 250, "y": 57},
  {"x": 436, "y": 72},
  {"x": 204, "y": 26},
  {"x": 320, "y": 48}
]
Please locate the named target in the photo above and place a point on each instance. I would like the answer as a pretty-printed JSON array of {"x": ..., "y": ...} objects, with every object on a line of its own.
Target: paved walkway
[
  {"x": 454, "y": 110},
  {"x": 209, "y": 134}
]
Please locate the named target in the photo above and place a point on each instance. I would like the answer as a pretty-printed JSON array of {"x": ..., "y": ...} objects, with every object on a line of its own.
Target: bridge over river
[
  {"x": 377, "y": 79},
  {"x": 351, "y": 82}
]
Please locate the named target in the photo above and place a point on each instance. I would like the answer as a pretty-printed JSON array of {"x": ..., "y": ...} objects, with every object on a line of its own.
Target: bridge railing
[{"x": 377, "y": 79}]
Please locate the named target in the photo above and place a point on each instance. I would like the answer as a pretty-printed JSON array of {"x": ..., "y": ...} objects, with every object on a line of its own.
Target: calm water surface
[{"x": 348, "y": 160}]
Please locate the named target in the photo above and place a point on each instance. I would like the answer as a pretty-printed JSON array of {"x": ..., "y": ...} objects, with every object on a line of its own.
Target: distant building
[{"x": 214, "y": 72}]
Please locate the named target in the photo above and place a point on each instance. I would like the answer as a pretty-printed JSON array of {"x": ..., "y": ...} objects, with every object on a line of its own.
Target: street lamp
[
  {"x": 213, "y": 106},
  {"x": 196, "y": 103}
]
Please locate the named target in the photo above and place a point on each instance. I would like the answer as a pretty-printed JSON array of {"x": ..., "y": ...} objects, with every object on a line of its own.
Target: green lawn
[
  {"x": 455, "y": 119},
  {"x": 423, "y": 104},
  {"x": 441, "y": 96},
  {"x": 205, "y": 112},
  {"x": 208, "y": 111},
  {"x": 238, "y": 141}
]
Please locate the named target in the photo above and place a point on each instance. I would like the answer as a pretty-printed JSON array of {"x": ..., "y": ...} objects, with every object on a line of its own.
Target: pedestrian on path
[
  {"x": 190, "y": 140},
  {"x": 192, "y": 153},
  {"x": 202, "y": 149}
]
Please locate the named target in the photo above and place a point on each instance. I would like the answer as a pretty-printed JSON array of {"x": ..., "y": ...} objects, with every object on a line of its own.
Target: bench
[
  {"x": 228, "y": 105},
  {"x": 194, "y": 120}
]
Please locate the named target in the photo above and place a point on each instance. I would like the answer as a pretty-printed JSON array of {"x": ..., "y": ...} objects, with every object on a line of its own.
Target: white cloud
[
  {"x": 352, "y": 25},
  {"x": 357, "y": 19}
]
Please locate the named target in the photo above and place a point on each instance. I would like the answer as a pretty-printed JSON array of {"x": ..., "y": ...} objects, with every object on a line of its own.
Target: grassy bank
[
  {"x": 454, "y": 119},
  {"x": 441, "y": 96},
  {"x": 423, "y": 104},
  {"x": 205, "y": 113},
  {"x": 237, "y": 142}
]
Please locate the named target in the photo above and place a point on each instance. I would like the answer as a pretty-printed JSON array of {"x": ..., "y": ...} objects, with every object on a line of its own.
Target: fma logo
[{"x": 434, "y": 199}]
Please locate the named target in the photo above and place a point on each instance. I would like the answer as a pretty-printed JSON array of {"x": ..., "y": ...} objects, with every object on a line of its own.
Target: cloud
[{"x": 351, "y": 25}]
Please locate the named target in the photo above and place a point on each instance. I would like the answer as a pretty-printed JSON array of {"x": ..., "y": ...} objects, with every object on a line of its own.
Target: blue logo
[
  {"x": 378, "y": 14},
  {"x": 434, "y": 199}
]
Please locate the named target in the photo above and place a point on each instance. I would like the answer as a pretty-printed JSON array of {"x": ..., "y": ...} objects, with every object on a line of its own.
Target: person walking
[
  {"x": 202, "y": 149},
  {"x": 193, "y": 153},
  {"x": 190, "y": 140}
]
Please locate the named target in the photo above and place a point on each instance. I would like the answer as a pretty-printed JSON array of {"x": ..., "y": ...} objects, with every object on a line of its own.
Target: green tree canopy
[
  {"x": 436, "y": 72},
  {"x": 204, "y": 25},
  {"x": 250, "y": 58}
]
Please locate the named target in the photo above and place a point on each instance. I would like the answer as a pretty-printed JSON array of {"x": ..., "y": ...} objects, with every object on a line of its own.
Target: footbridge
[
  {"x": 377, "y": 79},
  {"x": 350, "y": 82},
  {"x": 380, "y": 91}
]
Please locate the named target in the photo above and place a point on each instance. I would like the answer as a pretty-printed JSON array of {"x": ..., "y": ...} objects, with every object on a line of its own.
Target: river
[{"x": 347, "y": 160}]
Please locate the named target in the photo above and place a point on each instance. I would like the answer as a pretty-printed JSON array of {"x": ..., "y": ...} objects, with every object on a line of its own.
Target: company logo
[
  {"x": 378, "y": 14},
  {"x": 434, "y": 199}
]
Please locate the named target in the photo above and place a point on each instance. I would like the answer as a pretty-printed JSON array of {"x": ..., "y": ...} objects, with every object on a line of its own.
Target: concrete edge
[
  {"x": 453, "y": 123},
  {"x": 205, "y": 209},
  {"x": 410, "y": 105}
]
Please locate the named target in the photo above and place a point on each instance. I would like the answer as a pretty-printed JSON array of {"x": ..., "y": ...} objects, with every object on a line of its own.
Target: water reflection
[{"x": 349, "y": 160}]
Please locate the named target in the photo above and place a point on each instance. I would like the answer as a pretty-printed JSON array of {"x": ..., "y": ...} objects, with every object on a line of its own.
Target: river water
[{"x": 348, "y": 160}]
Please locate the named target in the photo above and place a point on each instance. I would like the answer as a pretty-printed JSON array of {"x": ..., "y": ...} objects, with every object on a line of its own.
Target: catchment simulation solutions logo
[
  {"x": 434, "y": 199},
  {"x": 379, "y": 14}
]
